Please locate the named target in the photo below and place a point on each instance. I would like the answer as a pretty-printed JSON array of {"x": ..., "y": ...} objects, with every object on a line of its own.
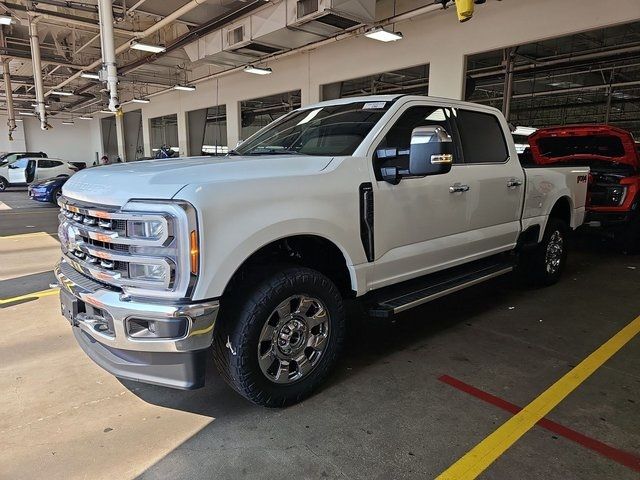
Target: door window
[
  {"x": 393, "y": 150},
  {"x": 482, "y": 137},
  {"x": 48, "y": 163}
]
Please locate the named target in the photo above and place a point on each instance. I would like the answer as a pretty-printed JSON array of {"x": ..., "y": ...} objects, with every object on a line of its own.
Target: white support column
[
  {"x": 183, "y": 133},
  {"x": 233, "y": 124},
  {"x": 146, "y": 135},
  {"x": 446, "y": 75},
  {"x": 122, "y": 149}
]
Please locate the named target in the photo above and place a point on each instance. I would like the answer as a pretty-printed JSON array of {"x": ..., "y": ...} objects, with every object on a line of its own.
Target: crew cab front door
[{"x": 419, "y": 226}]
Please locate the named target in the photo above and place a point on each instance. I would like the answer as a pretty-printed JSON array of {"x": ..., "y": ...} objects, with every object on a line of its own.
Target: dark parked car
[{"x": 47, "y": 190}]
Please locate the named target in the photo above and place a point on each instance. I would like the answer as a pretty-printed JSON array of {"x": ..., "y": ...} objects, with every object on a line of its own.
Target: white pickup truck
[{"x": 393, "y": 200}]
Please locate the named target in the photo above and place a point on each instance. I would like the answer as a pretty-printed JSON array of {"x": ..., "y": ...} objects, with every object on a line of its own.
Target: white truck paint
[{"x": 243, "y": 205}]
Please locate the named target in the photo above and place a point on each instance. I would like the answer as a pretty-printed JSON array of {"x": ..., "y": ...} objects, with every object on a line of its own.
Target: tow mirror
[{"x": 431, "y": 151}]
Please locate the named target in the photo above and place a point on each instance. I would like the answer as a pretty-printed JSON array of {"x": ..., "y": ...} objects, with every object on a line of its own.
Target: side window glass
[
  {"x": 482, "y": 137},
  {"x": 393, "y": 150},
  {"x": 54, "y": 163},
  {"x": 44, "y": 164}
]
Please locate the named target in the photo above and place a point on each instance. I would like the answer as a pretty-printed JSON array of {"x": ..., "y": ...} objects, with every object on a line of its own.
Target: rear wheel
[
  {"x": 543, "y": 265},
  {"x": 3, "y": 184},
  {"x": 277, "y": 342}
]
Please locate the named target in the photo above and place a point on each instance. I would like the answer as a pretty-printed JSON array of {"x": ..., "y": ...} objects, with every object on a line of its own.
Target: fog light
[{"x": 158, "y": 328}]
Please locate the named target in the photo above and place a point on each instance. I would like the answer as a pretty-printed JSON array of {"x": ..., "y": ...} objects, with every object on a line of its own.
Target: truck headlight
[
  {"x": 148, "y": 272},
  {"x": 616, "y": 195},
  {"x": 145, "y": 229}
]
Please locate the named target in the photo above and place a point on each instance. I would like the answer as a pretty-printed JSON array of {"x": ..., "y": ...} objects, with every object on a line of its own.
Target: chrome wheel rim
[
  {"x": 553, "y": 257},
  {"x": 293, "y": 339}
]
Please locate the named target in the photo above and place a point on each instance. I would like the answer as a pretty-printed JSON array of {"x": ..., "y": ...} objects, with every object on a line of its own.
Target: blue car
[{"x": 47, "y": 190}]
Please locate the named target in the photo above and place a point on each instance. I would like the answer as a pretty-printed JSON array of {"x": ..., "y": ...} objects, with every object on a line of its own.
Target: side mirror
[{"x": 431, "y": 151}]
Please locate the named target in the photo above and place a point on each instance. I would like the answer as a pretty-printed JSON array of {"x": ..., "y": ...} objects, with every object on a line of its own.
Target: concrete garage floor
[{"x": 385, "y": 414}]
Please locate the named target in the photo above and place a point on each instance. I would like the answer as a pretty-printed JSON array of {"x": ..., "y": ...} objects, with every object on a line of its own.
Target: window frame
[
  {"x": 458, "y": 122},
  {"x": 455, "y": 134}
]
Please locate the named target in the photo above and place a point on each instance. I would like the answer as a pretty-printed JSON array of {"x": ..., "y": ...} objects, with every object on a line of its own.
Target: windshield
[{"x": 324, "y": 131}]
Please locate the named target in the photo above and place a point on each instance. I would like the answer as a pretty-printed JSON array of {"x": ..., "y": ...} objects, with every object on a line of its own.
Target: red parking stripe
[{"x": 619, "y": 456}]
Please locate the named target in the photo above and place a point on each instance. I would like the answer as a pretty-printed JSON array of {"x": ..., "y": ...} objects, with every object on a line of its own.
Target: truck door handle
[
  {"x": 458, "y": 188},
  {"x": 514, "y": 182}
]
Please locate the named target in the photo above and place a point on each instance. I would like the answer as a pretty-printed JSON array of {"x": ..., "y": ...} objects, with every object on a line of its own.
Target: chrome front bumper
[{"x": 103, "y": 321}]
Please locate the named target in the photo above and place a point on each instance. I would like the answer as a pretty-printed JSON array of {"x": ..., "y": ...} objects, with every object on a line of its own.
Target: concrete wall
[
  {"x": 75, "y": 143},
  {"x": 437, "y": 39}
]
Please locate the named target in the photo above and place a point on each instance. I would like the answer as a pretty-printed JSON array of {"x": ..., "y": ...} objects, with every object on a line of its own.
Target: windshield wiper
[
  {"x": 273, "y": 151},
  {"x": 233, "y": 152}
]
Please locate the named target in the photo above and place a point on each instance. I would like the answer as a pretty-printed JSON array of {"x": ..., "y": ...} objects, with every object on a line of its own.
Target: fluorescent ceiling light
[
  {"x": 85, "y": 117},
  {"x": 524, "y": 131},
  {"x": 19, "y": 120},
  {"x": 140, "y": 100},
  {"x": 184, "y": 88},
  {"x": 383, "y": 35},
  {"x": 92, "y": 76},
  {"x": 28, "y": 114},
  {"x": 34, "y": 105},
  {"x": 146, "y": 47},
  {"x": 67, "y": 122},
  {"x": 257, "y": 70},
  {"x": 6, "y": 20},
  {"x": 107, "y": 111},
  {"x": 61, "y": 93}
]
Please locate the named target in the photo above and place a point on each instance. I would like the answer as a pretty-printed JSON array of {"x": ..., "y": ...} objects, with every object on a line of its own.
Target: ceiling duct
[
  {"x": 329, "y": 17},
  {"x": 271, "y": 29}
]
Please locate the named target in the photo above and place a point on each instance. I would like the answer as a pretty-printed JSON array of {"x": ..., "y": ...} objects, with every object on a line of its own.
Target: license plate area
[{"x": 70, "y": 307}]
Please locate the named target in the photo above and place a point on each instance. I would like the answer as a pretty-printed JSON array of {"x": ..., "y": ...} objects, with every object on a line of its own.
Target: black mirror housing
[{"x": 431, "y": 151}]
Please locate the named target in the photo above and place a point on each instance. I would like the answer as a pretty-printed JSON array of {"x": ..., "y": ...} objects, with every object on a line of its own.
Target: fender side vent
[{"x": 366, "y": 220}]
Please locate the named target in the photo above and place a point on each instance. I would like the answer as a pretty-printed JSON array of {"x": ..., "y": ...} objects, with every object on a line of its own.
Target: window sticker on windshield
[{"x": 373, "y": 105}]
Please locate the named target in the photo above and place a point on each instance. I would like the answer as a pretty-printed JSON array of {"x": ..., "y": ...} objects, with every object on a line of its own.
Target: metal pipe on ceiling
[
  {"x": 109, "y": 51},
  {"x": 37, "y": 73},
  {"x": 8, "y": 89}
]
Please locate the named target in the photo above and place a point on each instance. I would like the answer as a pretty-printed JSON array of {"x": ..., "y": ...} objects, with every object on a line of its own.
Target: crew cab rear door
[{"x": 495, "y": 180}]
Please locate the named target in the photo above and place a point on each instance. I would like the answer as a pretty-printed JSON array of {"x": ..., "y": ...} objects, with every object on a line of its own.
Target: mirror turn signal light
[{"x": 194, "y": 252}]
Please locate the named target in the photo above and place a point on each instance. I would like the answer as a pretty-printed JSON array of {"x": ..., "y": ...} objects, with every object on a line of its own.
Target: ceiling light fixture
[
  {"x": 257, "y": 70},
  {"x": 19, "y": 120},
  {"x": 382, "y": 35},
  {"x": 524, "y": 131},
  {"x": 85, "y": 117},
  {"x": 6, "y": 20},
  {"x": 106, "y": 111},
  {"x": 90, "y": 75},
  {"x": 68, "y": 122},
  {"x": 27, "y": 114},
  {"x": 140, "y": 100},
  {"x": 61, "y": 93},
  {"x": 146, "y": 47},
  {"x": 184, "y": 88}
]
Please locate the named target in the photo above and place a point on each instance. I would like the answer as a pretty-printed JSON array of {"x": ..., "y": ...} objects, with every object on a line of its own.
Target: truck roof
[{"x": 391, "y": 98}]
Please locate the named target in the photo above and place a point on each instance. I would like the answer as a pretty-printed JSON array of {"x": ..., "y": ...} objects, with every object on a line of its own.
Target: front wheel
[
  {"x": 3, "y": 184},
  {"x": 278, "y": 341},
  {"x": 543, "y": 265}
]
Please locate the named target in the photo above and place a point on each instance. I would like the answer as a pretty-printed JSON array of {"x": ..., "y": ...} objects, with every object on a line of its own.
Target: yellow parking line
[
  {"x": 40, "y": 294},
  {"x": 474, "y": 462},
  {"x": 26, "y": 235}
]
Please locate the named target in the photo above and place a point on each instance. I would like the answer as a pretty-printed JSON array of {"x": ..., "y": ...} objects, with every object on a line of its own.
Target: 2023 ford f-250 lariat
[{"x": 393, "y": 200}]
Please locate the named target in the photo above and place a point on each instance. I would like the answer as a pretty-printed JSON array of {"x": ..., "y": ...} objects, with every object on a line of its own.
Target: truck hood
[
  {"x": 584, "y": 144},
  {"x": 164, "y": 178}
]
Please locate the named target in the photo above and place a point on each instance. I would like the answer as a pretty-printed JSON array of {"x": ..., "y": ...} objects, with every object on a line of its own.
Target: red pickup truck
[{"x": 614, "y": 182}]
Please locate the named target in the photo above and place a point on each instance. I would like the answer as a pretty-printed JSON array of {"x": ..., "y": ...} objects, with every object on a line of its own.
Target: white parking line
[{"x": 4, "y": 206}]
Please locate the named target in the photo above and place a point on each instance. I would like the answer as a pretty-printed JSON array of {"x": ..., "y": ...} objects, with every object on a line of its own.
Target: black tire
[
  {"x": 55, "y": 195},
  {"x": 244, "y": 317},
  {"x": 543, "y": 265},
  {"x": 628, "y": 239},
  {"x": 3, "y": 184}
]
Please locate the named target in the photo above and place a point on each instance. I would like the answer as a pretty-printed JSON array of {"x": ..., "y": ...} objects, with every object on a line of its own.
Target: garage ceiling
[{"x": 591, "y": 77}]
